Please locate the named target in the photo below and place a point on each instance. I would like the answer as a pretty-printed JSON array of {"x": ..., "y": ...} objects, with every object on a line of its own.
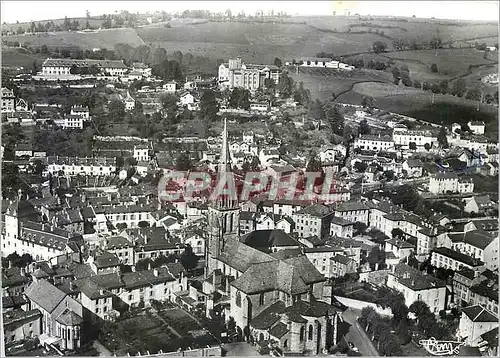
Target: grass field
[
  {"x": 474, "y": 79},
  {"x": 179, "y": 320},
  {"x": 255, "y": 42},
  {"x": 103, "y": 38},
  {"x": 450, "y": 62},
  {"x": 321, "y": 86},
  {"x": 15, "y": 58},
  {"x": 425, "y": 28}
]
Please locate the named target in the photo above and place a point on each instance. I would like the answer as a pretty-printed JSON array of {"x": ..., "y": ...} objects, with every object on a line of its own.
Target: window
[
  {"x": 310, "y": 336},
  {"x": 238, "y": 299},
  {"x": 261, "y": 299},
  {"x": 302, "y": 333},
  {"x": 97, "y": 310}
]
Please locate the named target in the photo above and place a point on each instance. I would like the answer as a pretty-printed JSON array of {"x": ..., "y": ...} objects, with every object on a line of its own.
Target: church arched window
[
  {"x": 302, "y": 333},
  {"x": 310, "y": 337}
]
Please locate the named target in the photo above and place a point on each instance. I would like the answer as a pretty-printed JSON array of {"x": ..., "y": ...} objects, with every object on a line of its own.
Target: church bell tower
[{"x": 223, "y": 212}]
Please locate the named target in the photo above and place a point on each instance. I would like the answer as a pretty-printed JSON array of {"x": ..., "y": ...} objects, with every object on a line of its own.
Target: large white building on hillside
[
  {"x": 403, "y": 137},
  {"x": 236, "y": 73}
]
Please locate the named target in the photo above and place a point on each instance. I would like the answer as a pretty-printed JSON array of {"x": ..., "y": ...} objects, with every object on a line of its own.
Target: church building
[{"x": 272, "y": 298}]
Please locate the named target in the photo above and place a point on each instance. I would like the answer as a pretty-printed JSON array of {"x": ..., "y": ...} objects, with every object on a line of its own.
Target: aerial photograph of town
[{"x": 253, "y": 178}]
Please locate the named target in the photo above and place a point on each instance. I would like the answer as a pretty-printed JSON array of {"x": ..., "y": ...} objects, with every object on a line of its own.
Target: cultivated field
[
  {"x": 99, "y": 39},
  {"x": 20, "y": 58},
  {"x": 255, "y": 42},
  {"x": 409, "y": 28},
  {"x": 474, "y": 78},
  {"x": 450, "y": 63},
  {"x": 324, "y": 82}
]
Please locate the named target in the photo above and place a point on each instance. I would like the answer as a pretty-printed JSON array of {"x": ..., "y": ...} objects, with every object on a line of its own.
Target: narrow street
[{"x": 356, "y": 334}]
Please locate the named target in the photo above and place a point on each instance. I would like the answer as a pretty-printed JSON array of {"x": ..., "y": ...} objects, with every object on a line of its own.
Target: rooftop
[
  {"x": 479, "y": 314},
  {"x": 458, "y": 256},
  {"x": 415, "y": 279}
]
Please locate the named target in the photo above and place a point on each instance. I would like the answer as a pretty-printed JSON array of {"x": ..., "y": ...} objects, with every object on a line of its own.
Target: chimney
[
  {"x": 413, "y": 282},
  {"x": 149, "y": 266},
  {"x": 10, "y": 264},
  {"x": 393, "y": 269},
  {"x": 155, "y": 272},
  {"x": 23, "y": 272},
  {"x": 133, "y": 268}
]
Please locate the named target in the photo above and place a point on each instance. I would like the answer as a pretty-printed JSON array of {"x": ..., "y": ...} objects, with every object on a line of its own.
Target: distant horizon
[{"x": 27, "y": 11}]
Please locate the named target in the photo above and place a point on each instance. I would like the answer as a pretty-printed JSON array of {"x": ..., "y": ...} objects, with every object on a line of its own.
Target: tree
[
  {"x": 360, "y": 167},
  {"x": 379, "y": 46},
  {"x": 459, "y": 87},
  {"x": 367, "y": 102},
  {"x": 144, "y": 264},
  {"x": 255, "y": 163},
  {"x": 444, "y": 86},
  {"x": 38, "y": 167},
  {"x": 277, "y": 62},
  {"x": 412, "y": 146},
  {"x": 391, "y": 346},
  {"x": 334, "y": 118},
  {"x": 395, "y": 74},
  {"x": 427, "y": 146},
  {"x": 208, "y": 105},
  {"x": 143, "y": 224},
  {"x": 434, "y": 68},
  {"x": 397, "y": 233},
  {"x": 116, "y": 111},
  {"x": 183, "y": 162},
  {"x": 188, "y": 259},
  {"x": 364, "y": 128},
  {"x": 442, "y": 139},
  {"x": 285, "y": 85},
  {"x": 359, "y": 228},
  {"x": 376, "y": 256},
  {"x": 314, "y": 164},
  {"x": 316, "y": 110},
  {"x": 474, "y": 94}
]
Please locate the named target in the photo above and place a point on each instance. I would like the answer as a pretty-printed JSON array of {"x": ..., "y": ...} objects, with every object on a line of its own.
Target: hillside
[{"x": 87, "y": 40}]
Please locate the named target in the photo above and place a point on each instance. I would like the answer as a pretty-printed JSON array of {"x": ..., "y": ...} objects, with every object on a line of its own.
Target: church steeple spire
[{"x": 225, "y": 157}]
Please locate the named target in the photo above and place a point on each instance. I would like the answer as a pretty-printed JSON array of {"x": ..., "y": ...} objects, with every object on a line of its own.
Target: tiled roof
[
  {"x": 458, "y": 256},
  {"x": 268, "y": 317},
  {"x": 106, "y": 259},
  {"x": 344, "y": 260},
  {"x": 351, "y": 206},
  {"x": 59, "y": 62},
  {"x": 477, "y": 238},
  {"x": 12, "y": 301},
  {"x": 91, "y": 289},
  {"x": 45, "y": 295},
  {"x": 137, "y": 279},
  {"x": 479, "y": 314},
  {"x": 400, "y": 244},
  {"x": 487, "y": 289},
  {"x": 312, "y": 308},
  {"x": 69, "y": 318},
  {"x": 279, "y": 330},
  {"x": 293, "y": 276},
  {"x": 336, "y": 220},
  {"x": 317, "y": 210},
  {"x": 117, "y": 242},
  {"x": 415, "y": 279},
  {"x": 18, "y": 316},
  {"x": 13, "y": 277},
  {"x": 240, "y": 256}
]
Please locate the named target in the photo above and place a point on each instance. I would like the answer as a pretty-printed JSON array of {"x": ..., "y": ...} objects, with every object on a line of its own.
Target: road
[
  {"x": 241, "y": 349},
  {"x": 103, "y": 351},
  {"x": 356, "y": 334}
]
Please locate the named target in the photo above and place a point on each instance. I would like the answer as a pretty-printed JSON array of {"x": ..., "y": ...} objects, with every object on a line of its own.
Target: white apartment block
[
  {"x": 374, "y": 142},
  {"x": 403, "y": 137},
  {"x": 83, "y": 166},
  {"x": 444, "y": 182}
]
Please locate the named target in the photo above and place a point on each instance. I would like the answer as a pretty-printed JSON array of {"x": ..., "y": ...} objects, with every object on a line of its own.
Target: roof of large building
[
  {"x": 133, "y": 280},
  {"x": 240, "y": 256},
  {"x": 477, "y": 238},
  {"x": 414, "y": 279},
  {"x": 479, "y": 314},
  {"x": 293, "y": 276},
  {"x": 13, "y": 277},
  {"x": 351, "y": 206},
  {"x": 69, "y": 318},
  {"x": 62, "y": 62},
  {"x": 268, "y": 238},
  {"x": 317, "y": 210},
  {"x": 45, "y": 295},
  {"x": 458, "y": 256}
]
